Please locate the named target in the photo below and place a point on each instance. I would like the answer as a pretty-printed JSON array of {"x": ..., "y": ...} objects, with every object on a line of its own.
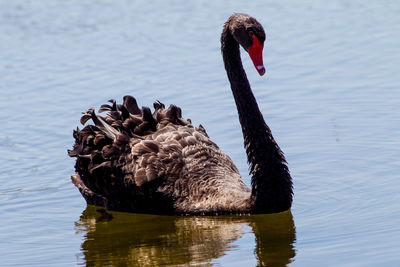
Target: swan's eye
[{"x": 251, "y": 33}]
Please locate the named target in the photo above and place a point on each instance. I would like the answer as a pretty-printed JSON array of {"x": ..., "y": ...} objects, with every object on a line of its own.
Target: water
[{"x": 330, "y": 97}]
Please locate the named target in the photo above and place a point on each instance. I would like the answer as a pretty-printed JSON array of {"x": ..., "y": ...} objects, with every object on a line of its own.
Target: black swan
[{"x": 137, "y": 161}]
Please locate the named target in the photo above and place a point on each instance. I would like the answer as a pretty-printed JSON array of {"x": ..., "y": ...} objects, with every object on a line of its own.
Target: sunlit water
[{"x": 331, "y": 97}]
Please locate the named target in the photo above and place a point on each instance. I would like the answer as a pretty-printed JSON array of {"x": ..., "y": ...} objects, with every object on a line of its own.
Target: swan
[{"x": 140, "y": 161}]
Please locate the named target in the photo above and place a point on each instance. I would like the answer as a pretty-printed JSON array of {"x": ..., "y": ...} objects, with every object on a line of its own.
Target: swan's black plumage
[
  {"x": 271, "y": 180},
  {"x": 157, "y": 162}
]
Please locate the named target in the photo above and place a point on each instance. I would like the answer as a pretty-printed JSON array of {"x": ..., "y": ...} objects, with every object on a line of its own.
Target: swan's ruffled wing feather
[{"x": 130, "y": 152}]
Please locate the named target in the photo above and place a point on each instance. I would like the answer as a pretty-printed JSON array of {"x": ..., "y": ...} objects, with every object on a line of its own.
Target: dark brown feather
[
  {"x": 131, "y": 105},
  {"x": 85, "y": 118}
]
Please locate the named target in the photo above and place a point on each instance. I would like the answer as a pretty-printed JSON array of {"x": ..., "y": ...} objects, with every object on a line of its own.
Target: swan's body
[{"x": 133, "y": 160}]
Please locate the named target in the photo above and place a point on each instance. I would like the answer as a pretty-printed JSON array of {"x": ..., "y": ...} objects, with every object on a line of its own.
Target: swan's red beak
[{"x": 255, "y": 52}]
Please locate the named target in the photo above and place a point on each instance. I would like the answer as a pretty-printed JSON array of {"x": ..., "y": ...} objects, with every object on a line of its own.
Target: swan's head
[{"x": 249, "y": 33}]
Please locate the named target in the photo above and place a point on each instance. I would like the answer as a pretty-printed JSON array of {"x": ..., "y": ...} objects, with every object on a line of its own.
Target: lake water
[{"x": 330, "y": 95}]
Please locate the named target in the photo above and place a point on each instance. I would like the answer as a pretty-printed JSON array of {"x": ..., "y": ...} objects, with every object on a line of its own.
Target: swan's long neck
[{"x": 271, "y": 181}]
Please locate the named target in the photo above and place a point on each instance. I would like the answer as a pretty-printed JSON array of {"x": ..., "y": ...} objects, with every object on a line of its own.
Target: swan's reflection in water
[{"x": 148, "y": 240}]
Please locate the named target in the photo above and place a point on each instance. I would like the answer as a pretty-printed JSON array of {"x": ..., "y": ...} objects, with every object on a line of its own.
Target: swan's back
[{"x": 135, "y": 160}]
